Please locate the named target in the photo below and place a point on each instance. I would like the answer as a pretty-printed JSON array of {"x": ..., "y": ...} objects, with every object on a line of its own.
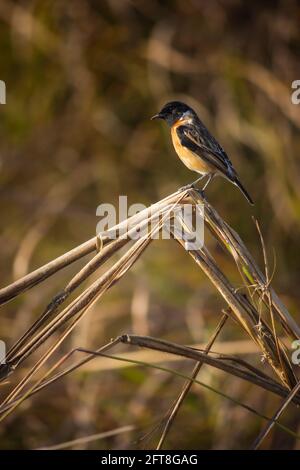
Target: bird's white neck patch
[{"x": 187, "y": 117}]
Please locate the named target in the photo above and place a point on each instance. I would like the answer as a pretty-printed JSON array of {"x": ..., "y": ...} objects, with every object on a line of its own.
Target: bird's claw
[{"x": 201, "y": 192}]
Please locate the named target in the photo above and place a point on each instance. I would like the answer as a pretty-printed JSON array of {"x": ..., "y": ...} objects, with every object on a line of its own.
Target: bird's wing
[{"x": 199, "y": 141}]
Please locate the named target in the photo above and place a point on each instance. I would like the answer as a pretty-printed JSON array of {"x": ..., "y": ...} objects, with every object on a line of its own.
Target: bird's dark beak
[{"x": 157, "y": 116}]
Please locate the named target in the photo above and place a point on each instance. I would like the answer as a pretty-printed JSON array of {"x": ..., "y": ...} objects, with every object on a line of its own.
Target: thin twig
[
  {"x": 267, "y": 429},
  {"x": 187, "y": 386},
  {"x": 87, "y": 439}
]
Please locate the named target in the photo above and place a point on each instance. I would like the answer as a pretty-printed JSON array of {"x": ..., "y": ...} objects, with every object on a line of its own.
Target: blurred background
[{"x": 83, "y": 79}]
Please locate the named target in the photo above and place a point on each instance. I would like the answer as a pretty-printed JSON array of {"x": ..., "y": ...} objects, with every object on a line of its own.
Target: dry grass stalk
[
  {"x": 79, "y": 306},
  {"x": 224, "y": 362},
  {"x": 242, "y": 308},
  {"x": 172, "y": 413}
]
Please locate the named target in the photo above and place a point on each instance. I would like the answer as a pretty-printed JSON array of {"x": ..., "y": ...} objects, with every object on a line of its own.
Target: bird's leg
[
  {"x": 191, "y": 185},
  {"x": 197, "y": 180},
  {"x": 201, "y": 191},
  {"x": 208, "y": 181}
]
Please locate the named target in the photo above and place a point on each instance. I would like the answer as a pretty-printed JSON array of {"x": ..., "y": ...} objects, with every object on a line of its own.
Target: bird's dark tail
[{"x": 241, "y": 187}]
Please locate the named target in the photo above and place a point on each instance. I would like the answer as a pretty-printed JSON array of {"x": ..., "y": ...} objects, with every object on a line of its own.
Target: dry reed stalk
[
  {"x": 135, "y": 223},
  {"x": 233, "y": 243},
  {"x": 79, "y": 306},
  {"x": 44, "y": 272},
  {"x": 245, "y": 313},
  {"x": 224, "y": 362},
  {"x": 242, "y": 308},
  {"x": 172, "y": 413}
]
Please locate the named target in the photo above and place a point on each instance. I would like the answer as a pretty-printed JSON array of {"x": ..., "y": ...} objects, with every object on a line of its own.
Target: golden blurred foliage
[{"x": 82, "y": 80}]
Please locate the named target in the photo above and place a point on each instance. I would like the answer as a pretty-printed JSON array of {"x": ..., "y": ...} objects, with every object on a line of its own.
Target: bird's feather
[{"x": 202, "y": 143}]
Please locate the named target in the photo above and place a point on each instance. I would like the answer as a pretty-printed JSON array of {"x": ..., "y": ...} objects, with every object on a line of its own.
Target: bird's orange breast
[{"x": 190, "y": 159}]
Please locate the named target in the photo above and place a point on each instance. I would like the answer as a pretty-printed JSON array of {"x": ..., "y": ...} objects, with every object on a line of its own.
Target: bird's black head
[{"x": 173, "y": 111}]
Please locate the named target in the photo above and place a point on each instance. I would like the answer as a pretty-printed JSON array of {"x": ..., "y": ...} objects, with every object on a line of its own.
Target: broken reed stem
[
  {"x": 39, "y": 275},
  {"x": 229, "y": 364},
  {"x": 232, "y": 241},
  {"x": 86, "y": 300},
  {"x": 98, "y": 260},
  {"x": 242, "y": 310},
  {"x": 81, "y": 303},
  {"x": 245, "y": 313},
  {"x": 220, "y": 361},
  {"x": 78, "y": 279}
]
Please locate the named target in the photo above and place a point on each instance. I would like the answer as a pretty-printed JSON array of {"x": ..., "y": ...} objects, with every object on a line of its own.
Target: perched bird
[{"x": 195, "y": 145}]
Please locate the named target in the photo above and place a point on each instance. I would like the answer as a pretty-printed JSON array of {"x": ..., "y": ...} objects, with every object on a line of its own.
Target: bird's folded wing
[{"x": 207, "y": 148}]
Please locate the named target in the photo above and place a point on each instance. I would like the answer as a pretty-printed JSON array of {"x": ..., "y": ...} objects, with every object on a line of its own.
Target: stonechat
[{"x": 196, "y": 147}]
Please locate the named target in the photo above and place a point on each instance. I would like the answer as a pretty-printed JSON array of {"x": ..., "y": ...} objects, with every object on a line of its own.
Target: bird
[{"x": 196, "y": 146}]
